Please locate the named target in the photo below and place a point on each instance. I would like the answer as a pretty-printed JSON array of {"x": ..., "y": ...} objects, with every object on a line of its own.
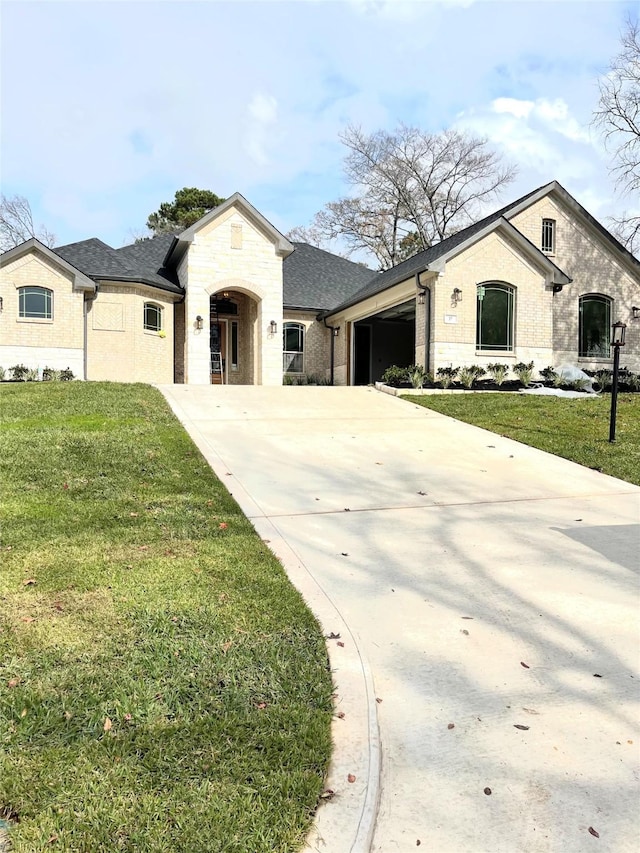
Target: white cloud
[
  {"x": 263, "y": 108},
  {"x": 262, "y": 115}
]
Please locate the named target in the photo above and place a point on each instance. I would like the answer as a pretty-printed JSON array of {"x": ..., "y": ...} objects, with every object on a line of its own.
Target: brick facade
[{"x": 56, "y": 343}]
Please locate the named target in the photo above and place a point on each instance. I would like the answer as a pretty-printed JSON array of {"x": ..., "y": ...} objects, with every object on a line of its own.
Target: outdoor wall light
[
  {"x": 421, "y": 298},
  {"x": 617, "y": 340},
  {"x": 273, "y": 327},
  {"x": 2, "y": 303},
  {"x": 635, "y": 311},
  {"x": 336, "y": 331},
  {"x": 618, "y": 331},
  {"x": 199, "y": 322},
  {"x": 456, "y": 296}
]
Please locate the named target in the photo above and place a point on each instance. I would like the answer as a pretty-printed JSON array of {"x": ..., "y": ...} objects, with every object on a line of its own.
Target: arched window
[
  {"x": 595, "y": 326},
  {"x": 35, "y": 303},
  {"x": 293, "y": 348},
  {"x": 494, "y": 316},
  {"x": 152, "y": 317}
]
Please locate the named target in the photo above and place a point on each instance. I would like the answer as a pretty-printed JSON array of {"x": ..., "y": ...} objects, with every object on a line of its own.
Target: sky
[{"x": 108, "y": 108}]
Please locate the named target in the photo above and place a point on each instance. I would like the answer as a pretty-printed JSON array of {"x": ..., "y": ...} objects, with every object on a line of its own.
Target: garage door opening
[{"x": 382, "y": 340}]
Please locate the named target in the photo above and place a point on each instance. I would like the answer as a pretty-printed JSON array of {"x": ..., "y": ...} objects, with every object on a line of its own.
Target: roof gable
[
  {"x": 80, "y": 280},
  {"x": 180, "y": 244},
  {"x": 435, "y": 258}
]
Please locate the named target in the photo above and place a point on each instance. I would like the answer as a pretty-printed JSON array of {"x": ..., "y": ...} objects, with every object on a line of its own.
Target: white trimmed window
[
  {"x": 35, "y": 303},
  {"x": 152, "y": 317},
  {"x": 595, "y": 326},
  {"x": 548, "y": 241},
  {"x": 293, "y": 348},
  {"x": 494, "y": 316}
]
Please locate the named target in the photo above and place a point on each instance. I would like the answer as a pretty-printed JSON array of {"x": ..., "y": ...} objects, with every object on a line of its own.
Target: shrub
[
  {"x": 524, "y": 372},
  {"x": 50, "y": 374},
  {"x": 66, "y": 375},
  {"x": 498, "y": 372},
  {"x": 446, "y": 375},
  {"x": 603, "y": 379},
  {"x": 579, "y": 384},
  {"x": 468, "y": 375},
  {"x": 548, "y": 374},
  {"x": 19, "y": 372},
  {"x": 2, "y": 373},
  {"x": 632, "y": 381},
  {"x": 394, "y": 376},
  {"x": 32, "y": 375},
  {"x": 416, "y": 375}
]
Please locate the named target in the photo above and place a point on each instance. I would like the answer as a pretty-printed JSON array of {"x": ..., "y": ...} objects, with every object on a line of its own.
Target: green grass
[
  {"x": 162, "y": 685},
  {"x": 573, "y": 428}
]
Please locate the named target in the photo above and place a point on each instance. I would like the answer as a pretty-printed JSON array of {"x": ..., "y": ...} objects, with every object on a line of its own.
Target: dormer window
[{"x": 549, "y": 236}]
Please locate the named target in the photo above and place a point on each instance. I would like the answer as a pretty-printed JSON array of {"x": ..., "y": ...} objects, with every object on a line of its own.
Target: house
[{"x": 231, "y": 300}]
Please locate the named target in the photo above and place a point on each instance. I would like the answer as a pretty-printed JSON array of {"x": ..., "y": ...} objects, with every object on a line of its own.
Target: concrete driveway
[{"x": 486, "y": 598}]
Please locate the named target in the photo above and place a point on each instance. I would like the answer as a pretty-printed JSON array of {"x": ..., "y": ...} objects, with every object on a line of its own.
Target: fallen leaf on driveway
[
  {"x": 351, "y": 778},
  {"x": 525, "y": 665},
  {"x": 346, "y": 509},
  {"x": 378, "y": 700},
  {"x": 596, "y": 675},
  {"x": 530, "y": 711},
  {"x": 327, "y": 795},
  {"x": 340, "y": 715},
  {"x": 522, "y": 728},
  {"x": 451, "y": 726},
  {"x": 341, "y": 644},
  {"x": 333, "y": 636},
  {"x": 594, "y": 832},
  {"x": 487, "y": 791}
]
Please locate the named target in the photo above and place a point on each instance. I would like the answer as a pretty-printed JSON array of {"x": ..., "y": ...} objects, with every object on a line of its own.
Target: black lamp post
[{"x": 617, "y": 340}]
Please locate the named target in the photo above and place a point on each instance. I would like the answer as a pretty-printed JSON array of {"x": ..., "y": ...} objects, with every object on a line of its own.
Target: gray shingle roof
[
  {"x": 138, "y": 262},
  {"x": 318, "y": 280},
  {"x": 417, "y": 263}
]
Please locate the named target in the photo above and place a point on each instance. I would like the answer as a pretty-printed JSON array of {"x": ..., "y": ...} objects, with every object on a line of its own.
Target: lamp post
[{"x": 617, "y": 340}]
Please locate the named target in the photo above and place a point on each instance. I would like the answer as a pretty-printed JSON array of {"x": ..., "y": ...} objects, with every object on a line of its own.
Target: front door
[{"x": 218, "y": 346}]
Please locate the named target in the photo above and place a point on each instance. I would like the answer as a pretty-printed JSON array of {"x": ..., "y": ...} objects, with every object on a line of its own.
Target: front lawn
[
  {"x": 577, "y": 429},
  {"x": 162, "y": 685}
]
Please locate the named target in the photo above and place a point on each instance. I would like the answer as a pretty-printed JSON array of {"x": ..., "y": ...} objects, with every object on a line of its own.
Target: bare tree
[
  {"x": 411, "y": 189},
  {"x": 308, "y": 234},
  {"x": 618, "y": 117},
  {"x": 16, "y": 224}
]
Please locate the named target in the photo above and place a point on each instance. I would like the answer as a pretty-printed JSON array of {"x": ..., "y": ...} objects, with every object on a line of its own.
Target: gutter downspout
[
  {"x": 426, "y": 291},
  {"x": 85, "y": 348},
  {"x": 334, "y": 332}
]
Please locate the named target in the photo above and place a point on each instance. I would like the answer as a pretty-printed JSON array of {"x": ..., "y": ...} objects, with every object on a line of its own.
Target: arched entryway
[{"x": 232, "y": 324}]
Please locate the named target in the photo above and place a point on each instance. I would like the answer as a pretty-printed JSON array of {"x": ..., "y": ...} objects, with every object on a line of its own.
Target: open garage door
[{"x": 383, "y": 339}]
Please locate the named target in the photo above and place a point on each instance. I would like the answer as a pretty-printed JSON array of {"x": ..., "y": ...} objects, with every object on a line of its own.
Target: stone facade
[{"x": 231, "y": 253}]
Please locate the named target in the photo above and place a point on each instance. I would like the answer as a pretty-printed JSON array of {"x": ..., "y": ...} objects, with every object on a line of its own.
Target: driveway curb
[{"x": 345, "y": 821}]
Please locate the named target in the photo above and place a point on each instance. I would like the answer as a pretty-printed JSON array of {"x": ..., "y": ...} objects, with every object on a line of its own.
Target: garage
[{"x": 383, "y": 339}]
